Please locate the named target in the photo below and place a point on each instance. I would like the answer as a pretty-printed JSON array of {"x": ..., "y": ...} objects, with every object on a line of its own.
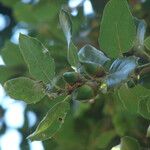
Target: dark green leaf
[
  {"x": 124, "y": 122},
  {"x": 9, "y": 72},
  {"x": 25, "y": 89},
  {"x": 148, "y": 105},
  {"x": 11, "y": 55},
  {"x": 104, "y": 139},
  {"x": 145, "y": 80},
  {"x": 9, "y": 2},
  {"x": 43, "y": 12},
  {"x": 51, "y": 123},
  {"x": 41, "y": 65},
  {"x": 143, "y": 108},
  {"x": 66, "y": 25},
  {"x": 118, "y": 31},
  {"x": 129, "y": 143},
  {"x": 89, "y": 54},
  {"x": 5, "y": 73},
  {"x": 24, "y": 13},
  {"x": 120, "y": 70},
  {"x": 130, "y": 97}
]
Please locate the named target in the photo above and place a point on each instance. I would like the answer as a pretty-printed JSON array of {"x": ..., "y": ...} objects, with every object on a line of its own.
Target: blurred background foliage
[{"x": 96, "y": 126}]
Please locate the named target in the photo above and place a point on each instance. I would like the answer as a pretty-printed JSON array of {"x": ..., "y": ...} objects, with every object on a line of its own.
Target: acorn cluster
[{"x": 84, "y": 85}]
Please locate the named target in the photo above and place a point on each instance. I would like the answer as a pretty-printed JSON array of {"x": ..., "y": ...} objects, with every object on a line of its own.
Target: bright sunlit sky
[{"x": 14, "y": 116}]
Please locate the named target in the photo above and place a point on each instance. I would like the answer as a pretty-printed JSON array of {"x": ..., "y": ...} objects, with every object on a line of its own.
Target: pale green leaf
[
  {"x": 129, "y": 143},
  {"x": 148, "y": 131},
  {"x": 66, "y": 25},
  {"x": 51, "y": 123},
  {"x": 89, "y": 54},
  {"x": 41, "y": 65},
  {"x": 118, "y": 30},
  {"x": 25, "y": 89},
  {"x": 72, "y": 56}
]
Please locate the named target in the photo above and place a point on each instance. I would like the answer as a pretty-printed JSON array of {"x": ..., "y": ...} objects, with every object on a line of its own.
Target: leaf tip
[
  {"x": 30, "y": 137},
  {"x": 6, "y": 85},
  {"x": 22, "y": 36}
]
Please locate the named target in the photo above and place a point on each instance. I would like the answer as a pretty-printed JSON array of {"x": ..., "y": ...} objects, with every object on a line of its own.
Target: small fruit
[
  {"x": 71, "y": 77},
  {"x": 94, "y": 69},
  {"x": 83, "y": 92}
]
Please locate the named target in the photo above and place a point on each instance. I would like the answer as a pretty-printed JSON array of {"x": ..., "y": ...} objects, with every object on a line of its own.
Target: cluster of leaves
[{"x": 120, "y": 72}]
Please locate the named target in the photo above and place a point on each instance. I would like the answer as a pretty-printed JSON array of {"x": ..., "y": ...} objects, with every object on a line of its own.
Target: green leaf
[
  {"x": 66, "y": 25},
  {"x": 5, "y": 73},
  {"x": 145, "y": 79},
  {"x": 11, "y": 55},
  {"x": 131, "y": 97},
  {"x": 41, "y": 65},
  {"x": 129, "y": 143},
  {"x": 104, "y": 139},
  {"x": 72, "y": 56},
  {"x": 43, "y": 12},
  {"x": 148, "y": 105},
  {"x": 89, "y": 54},
  {"x": 147, "y": 42},
  {"x": 120, "y": 70},
  {"x": 24, "y": 13},
  {"x": 124, "y": 122},
  {"x": 51, "y": 123},
  {"x": 25, "y": 89},
  {"x": 9, "y": 72},
  {"x": 118, "y": 30},
  {"x": 148, "y": 132},
  {"x": 9, "y": 3},
  {"x": 143, "y": 108}
]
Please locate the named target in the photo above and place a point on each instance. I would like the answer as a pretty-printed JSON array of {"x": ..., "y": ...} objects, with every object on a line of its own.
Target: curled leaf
[
  {"x": 89, "y": 54},
  {"x": 120, "y": 70},
  {"x": 66, "y": 25},
  {"x": 141, "y": 30}
]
